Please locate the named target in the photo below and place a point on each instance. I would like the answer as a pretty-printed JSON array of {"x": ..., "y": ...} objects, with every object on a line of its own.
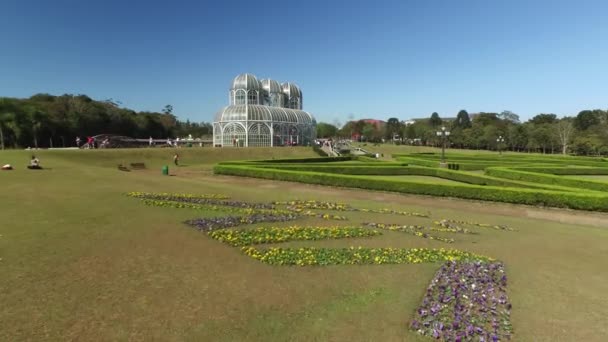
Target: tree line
[
  {"x": 583, "y": 134},
  {"x": 55, "y": 121}
]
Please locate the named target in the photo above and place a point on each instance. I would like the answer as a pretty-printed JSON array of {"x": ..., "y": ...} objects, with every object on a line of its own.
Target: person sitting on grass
[{"x": 34, "y": 164}]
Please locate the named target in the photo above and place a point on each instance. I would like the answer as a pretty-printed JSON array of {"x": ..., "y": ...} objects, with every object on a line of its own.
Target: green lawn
[
  {"x": 81, "y": 261},
  {"x": 601, "y": 178},
  {"x": 422, "y": 179}
]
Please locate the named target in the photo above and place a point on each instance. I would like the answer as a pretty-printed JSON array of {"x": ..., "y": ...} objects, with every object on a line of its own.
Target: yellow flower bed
[
  {"x": 282, "y": 234},
  {"x": 309, "y": 256}
]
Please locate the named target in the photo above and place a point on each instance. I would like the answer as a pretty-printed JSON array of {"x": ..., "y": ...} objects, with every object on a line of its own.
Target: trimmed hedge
[
  {"x": 304, "y": 160},
  {"x": 458, "y": 164},
  {"x": 392, "y": 169},
  {"x": 574, "y": 200},
  {"x": 505, "y": 160},
  {"x": 565, "y": 171},
  {"x": 546, "y": 179}
]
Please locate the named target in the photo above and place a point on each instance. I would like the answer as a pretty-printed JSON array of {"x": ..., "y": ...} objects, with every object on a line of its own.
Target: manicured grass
[
  {"x": 601, "y": 178},
  {"x": 82, "y": 261},
  {"x": 423, "y": 179}
]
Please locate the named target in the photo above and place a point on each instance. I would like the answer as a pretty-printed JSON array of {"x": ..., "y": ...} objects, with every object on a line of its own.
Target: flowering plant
[
  {"x": 213, "y": 223},
  {"x": 357, "y": 255},
  {"x": 477, "y": 224},
  {"x": 411, "y": 229},
  {"x": 466, "y": 301},
  {"x": 205, "y": 199},
  {"x": 280, "y": 234}
]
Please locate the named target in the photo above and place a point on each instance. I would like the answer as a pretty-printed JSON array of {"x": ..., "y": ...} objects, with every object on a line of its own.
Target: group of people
[
  {"x": 33, "y": 165},
  {"x": 91, "y": 143},
  {"x": 178, "y": 141}
]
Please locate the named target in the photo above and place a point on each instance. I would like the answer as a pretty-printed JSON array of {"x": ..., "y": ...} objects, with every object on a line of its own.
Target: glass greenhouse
[{"x": 263, "y": 113}]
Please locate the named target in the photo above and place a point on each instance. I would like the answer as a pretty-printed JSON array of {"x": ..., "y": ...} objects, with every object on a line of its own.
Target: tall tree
[
  {"x": 368, "y": 131},
  {"x": 35, "y": 117},
  {"x": 543, "y": 119},
  {"x": 508, "y": 115},
  {"x": 586, "y": 119},
  {"x": 565, "y": 128},
  {"x": 393, "y": 127},
  {"x": 168, "y": 109},
  {"x": 435, "y": 120},
  {"x": 325, "y": 130},
  {"x": 463, "y": 120}
]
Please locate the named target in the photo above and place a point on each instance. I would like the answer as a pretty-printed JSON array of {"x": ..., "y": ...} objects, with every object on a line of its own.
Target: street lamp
[
  {"x": 499, "y": 141},
  {"x": 443, "y": 134}
]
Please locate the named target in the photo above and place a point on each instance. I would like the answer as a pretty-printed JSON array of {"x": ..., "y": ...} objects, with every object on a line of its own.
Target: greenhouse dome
[{"x": 263, "y": 113}]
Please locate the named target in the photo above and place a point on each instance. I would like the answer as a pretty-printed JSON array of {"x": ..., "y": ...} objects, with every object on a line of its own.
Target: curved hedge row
[
  {"x": 396, "y": 169},
  {"x": 544, "y": 178},
  {"x": 574, "y": 200},
  {"x": 565, "y": 171}
]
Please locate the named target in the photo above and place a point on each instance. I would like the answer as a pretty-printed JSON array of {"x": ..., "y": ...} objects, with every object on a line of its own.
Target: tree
[
  {"x": 368, "y": 131},
  {"x": 487, "y": 119},
  {"x": 517, "y": 137},
  {"x": 393, "y": 127},
  {"x": 435, "y": 120},
  {"x": 586, "y": 119},
  {"x": 508, "y": 115},
  {"x": 565, "y": 128},
  {"x": 168, "y": 109},
  {"x": 463, "y": 120},
  {"x": 4, "y": 114},
  {"x": 4, "y": 117},
  {"x": 36, "y": 119},
  {"x": 325, "y": 130},
  {"x": 543, "y": 119}
]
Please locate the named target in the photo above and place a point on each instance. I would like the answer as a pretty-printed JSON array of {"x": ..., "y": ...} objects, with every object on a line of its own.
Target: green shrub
[
  {"x": 574, "y": 200},
  {"x": 546, "y": 179},
  {"x": 564, "y": 171}
]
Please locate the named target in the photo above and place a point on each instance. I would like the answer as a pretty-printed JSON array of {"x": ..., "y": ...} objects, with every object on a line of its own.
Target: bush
[
  {"x": 574, "y": 200},
  {"x": 546, "y": 179},
  {"x": 564, "y": 171}
]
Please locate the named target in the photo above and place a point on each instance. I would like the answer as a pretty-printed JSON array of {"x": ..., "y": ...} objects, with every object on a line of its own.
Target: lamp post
[
  {"x": 499, "y": 141},
  {"x": 443, "y": 134}
]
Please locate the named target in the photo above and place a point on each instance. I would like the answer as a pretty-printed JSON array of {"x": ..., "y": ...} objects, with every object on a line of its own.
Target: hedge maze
[{"x": 552, "y": 181}]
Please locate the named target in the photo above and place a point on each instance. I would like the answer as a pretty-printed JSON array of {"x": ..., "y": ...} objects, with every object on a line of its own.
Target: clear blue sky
[{"x": 358, "y": 59}]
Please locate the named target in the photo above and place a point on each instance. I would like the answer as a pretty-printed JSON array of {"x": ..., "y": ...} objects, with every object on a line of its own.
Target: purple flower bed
[
  {"x": 466, "y": 301},
  {"x": 202, "y": 200},
  {"x": 213, "y": 223}
]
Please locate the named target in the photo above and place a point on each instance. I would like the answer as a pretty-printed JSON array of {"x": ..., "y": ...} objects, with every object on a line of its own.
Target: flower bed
[
  {"x": 208, "y": 199},
  {"x": 412, "y": 229},
  {"x": 324, "y": 216},
  {"x": 212, "y": 207},
  {"x": 449, "y": 227},
  {"x": 394, "y": 212},
  {"x": 357, "y": 255},
  {"x": 213, "y": 223},
  {"x": 466, "y": 301},
  {"x": 279, "y": 234},
  {"x": 477, "y": 224},
  {"x": 300, "y": 205},
  {"x": 311, "y": 204},
  {"x": 139, "y": 194}
]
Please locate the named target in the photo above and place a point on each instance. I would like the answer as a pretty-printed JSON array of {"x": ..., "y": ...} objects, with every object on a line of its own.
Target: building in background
[{"x": 263, "y": 113}]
